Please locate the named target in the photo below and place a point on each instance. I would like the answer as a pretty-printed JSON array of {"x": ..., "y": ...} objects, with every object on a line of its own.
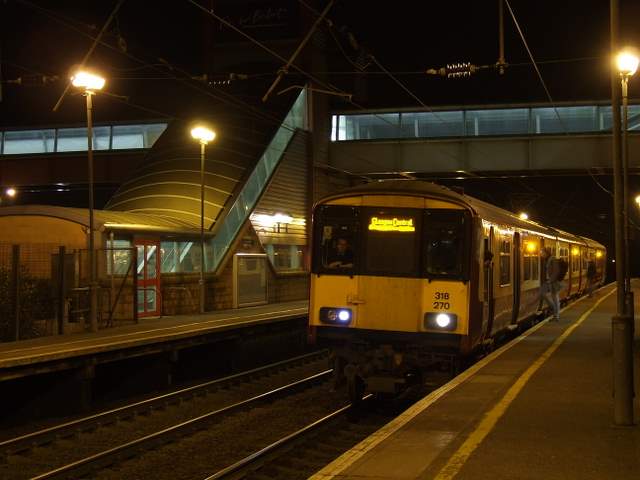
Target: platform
[
  {"x": 149, "y": 335},
  {"x": 540, "y": 407}
]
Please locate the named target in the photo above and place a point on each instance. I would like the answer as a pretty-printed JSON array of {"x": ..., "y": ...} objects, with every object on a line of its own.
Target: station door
[{"x": 149, "y": 298}]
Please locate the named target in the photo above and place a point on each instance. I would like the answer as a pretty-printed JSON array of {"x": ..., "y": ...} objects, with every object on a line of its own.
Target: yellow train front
[{"x": 411, "y": 276}]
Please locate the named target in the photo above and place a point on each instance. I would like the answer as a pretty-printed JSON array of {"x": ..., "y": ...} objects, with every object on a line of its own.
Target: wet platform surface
[{"x": 540, "y": 407}]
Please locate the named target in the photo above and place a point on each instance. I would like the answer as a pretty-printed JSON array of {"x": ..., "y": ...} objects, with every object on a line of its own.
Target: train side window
[
  {"x": 505, "y": 262},
  {"x": 446, "y": 246},
  {"x": 531, "y": 261}
]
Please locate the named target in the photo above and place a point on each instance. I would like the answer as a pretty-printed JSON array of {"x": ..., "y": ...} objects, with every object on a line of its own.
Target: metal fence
[{"x": 44, "y": 289}]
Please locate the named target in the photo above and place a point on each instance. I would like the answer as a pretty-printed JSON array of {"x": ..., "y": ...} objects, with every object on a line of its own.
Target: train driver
[{"x": 342, "y": 256}]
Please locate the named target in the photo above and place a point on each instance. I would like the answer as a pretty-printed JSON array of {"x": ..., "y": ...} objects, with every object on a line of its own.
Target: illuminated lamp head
[{"x": 443, "y": 320}]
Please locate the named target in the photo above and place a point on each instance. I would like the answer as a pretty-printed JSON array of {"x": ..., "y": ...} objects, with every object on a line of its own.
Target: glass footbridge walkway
[{"x": 570, "y": 137}]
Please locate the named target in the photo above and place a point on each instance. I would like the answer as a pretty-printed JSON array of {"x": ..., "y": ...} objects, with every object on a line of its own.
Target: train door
[
  {"x": 489, "y": 300},
  {"x": 517, "y": 268}
]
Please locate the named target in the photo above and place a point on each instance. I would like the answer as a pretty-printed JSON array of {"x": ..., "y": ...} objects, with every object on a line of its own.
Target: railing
[
  {"x": 477, "y": 123},
  {"x": 44, "y": 289},
  {"x": 257, "y": 181}
]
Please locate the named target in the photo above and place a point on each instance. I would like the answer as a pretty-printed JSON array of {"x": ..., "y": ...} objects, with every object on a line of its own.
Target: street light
[
  {"x": 638, "y": 200},
  {"x": 204, "y": 135},
  {"x": 90, "y": 83},
  {"x": 524, "y": 216},
  {"x": 627, "y": 62},
  {"x": 10, "y": 192}
]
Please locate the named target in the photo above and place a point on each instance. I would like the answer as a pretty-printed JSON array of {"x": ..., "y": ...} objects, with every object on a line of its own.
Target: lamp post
[
  {"x": 204, "y": 135},
  {"x": 90, "y": 82},
  {"x": 627, "y": 62}
]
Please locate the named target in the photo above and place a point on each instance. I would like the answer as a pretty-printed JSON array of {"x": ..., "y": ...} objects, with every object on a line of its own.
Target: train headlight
[
  {"x": 442, "y": 321},
  {"x": 338, "y": 316}
]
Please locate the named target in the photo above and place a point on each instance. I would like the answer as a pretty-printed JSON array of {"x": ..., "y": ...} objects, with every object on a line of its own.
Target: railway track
[
  {"x": 300, "y": 454},
  {"x": 137, "y": 427}
]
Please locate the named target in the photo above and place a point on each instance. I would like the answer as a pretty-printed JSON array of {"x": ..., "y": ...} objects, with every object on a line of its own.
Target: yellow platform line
[
  {"x": 340, "y": 464},
  {"x": 457, "y": 461}
]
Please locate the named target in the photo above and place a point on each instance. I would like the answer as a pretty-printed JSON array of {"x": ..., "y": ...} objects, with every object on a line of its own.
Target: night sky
[{"x": 157, "y": 48}]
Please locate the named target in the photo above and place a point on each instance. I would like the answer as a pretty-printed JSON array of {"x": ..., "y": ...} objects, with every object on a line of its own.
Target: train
[{"x": 409, "y": 276}]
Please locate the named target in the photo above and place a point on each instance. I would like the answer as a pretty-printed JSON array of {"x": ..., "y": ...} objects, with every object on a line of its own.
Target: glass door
[{"x": 148, "y": 269}]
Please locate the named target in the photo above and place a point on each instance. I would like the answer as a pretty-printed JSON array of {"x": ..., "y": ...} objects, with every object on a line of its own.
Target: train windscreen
[
  {"x": 444, "y": 232},
  {"x": 395, "y": 242},
  {"x": 392, "y": 242}
]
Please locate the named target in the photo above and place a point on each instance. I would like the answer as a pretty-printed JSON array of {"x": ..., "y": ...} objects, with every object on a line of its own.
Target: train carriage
[{"x": 408, "y": 276}]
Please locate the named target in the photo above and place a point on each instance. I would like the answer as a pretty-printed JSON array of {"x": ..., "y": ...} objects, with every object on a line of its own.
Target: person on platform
[
  {"x": 342, "y": 257},
  {"x": 550, "y": 286}
]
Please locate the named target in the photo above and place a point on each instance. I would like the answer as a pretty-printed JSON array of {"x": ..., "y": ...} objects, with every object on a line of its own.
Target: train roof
[{"x": 485, "y": 210}]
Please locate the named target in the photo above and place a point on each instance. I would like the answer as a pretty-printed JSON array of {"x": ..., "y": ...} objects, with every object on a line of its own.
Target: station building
[{"x": 147, "y": 237}]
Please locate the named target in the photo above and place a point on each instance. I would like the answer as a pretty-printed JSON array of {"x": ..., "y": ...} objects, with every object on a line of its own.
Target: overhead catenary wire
[
  {"x": 226, "y": 98},
  {"x": 264, "y": 116},
  {"x": 417, "y": 99},
  {"x": 544, "y": 85}
]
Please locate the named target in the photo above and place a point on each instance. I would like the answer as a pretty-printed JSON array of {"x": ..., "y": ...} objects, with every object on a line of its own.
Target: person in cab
[{"x": 342, "y": 256}]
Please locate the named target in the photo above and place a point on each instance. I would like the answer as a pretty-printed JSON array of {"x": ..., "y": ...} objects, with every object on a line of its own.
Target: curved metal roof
[{"x": 167, "y": 184}]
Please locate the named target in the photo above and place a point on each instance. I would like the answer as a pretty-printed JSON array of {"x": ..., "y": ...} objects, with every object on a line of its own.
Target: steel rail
[
  {"x": 48, "y": 435},
  {"x": 261, "y": 456},
  {"x": 129, "y": 449}
]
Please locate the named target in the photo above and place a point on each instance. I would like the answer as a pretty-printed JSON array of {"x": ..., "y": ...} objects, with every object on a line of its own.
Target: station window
[
  {"x": 286, "y": 258},
  {"x": 16, "y": 142},
  {"x": 505, "y": 262},
  {"x": 75, "y": 139},
  {"x": 119, "y": 254},
  {"x": 29, "y": 141},
  {"x": 179, "y": 257},
  {"x": 497, "y": 122}
]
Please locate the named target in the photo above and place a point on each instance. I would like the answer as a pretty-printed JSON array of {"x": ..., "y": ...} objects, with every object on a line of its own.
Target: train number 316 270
[{"x": 440, "y": 303}]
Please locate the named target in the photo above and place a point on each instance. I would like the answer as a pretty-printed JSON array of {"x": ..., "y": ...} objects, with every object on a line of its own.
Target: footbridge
[{"x": 529, "y": 139}]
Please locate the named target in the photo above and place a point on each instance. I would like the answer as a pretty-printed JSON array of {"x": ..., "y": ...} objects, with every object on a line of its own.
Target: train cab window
[
  {"x": 336, "y": 244},
  {"x": 391, "y": 242},
  {"x": 445, "y": 232},
  {"x": 505, "y": 262}
]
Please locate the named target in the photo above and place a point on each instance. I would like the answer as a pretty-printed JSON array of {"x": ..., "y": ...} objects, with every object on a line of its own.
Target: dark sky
[{"x": 568, "y": 38}]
